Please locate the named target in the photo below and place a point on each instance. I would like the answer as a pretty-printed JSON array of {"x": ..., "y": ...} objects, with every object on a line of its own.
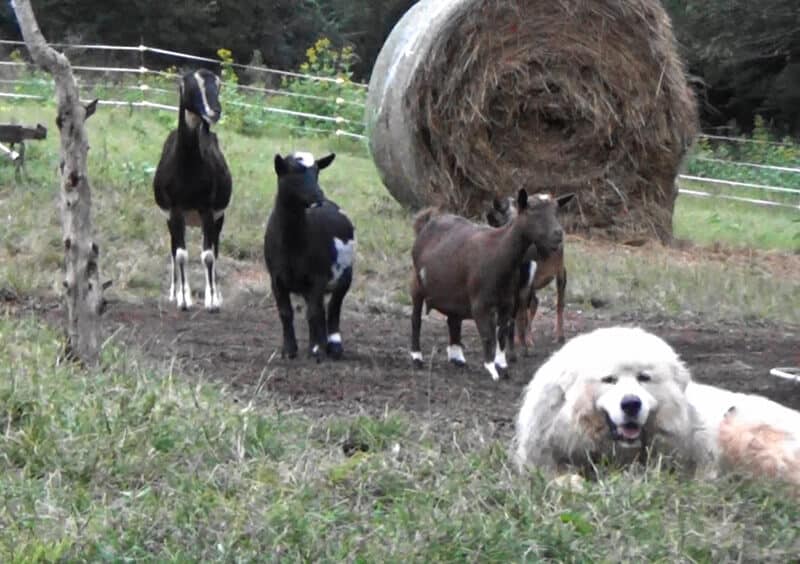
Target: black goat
[
  {"x": 192, "y": 184},
  {"x": 309, "y": 249}
]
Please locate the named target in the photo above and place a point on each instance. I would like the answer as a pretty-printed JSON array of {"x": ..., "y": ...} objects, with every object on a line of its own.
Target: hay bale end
[{"x": 470, "y": 99}]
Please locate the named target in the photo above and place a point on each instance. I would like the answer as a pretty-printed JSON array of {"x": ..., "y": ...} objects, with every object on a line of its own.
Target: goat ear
[
  {"x": 522, "y": 199},
  {"x": 280, "y": 165},
  {"x": 564, "y": 199},
  {"x": 325, "y": 161}
]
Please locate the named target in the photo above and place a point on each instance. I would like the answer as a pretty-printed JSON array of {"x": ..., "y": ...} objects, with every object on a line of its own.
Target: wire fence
[{"x": 333, "y": 123}]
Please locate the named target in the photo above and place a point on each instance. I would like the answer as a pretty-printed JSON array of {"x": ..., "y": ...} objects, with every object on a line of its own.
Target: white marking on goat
[
  {"x": 544, "y": 197},
  {"x": 345, "y": 255},
  {"x": 192, "y": 119},
  {"x": 335, "y": 338},
  {"x": 304, "y": 158},
  {"x": 531, "y": 273},
  {"x": 492, "y": 370},
  {"x": 172, "y": 274},
  {"x": 416, "y": 356},
  {"x": 500, "y": 357},
  {"x": 456, "y": 353},
  {"x": 213, "y": 298},
  {"x": 315, "y": 350},
  {"x": 201, "y": 83},
  {"x": 422, "y": 275},
  {"x": 184, "y": 294}
]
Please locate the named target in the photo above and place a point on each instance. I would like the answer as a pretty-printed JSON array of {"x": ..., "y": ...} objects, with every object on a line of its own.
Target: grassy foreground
[{"x": 133, "y": 463}]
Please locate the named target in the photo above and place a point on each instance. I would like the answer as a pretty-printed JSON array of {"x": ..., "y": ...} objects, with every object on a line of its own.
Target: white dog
[{"x": 619, "y": 394}]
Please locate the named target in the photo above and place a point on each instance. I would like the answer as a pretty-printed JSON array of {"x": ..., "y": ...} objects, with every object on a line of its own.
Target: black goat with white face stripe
[
  {"x": 309, "y": 249},
  {"x": 192, "y": 184}
]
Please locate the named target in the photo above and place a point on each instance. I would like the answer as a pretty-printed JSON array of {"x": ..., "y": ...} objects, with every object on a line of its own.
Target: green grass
[
  {"x": 710, "y": 220},
  {"x": 125, "y": 147},
  {"x": 133, "y": 462}
]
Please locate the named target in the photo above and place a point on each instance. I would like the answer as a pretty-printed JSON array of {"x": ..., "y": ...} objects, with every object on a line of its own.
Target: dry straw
[{"x": 475, "y": 98}]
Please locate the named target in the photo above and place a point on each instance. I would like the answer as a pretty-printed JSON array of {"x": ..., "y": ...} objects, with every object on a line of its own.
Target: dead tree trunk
[{"x": 84, "y": 293}]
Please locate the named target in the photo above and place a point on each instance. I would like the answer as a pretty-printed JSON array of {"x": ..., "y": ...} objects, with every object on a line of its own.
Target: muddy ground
[{"x": 239, "y": 348}]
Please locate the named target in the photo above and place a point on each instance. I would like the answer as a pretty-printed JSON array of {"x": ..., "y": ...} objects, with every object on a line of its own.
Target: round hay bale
[{"x": 470, "y": 99}]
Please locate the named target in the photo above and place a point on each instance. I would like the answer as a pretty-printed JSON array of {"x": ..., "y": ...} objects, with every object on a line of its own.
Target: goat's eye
[
  {"x": 643, "y": 377},
  {"x": 609, "y": 380}
]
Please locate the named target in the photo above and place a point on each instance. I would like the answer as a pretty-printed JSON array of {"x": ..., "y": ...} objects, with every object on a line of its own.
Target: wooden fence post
[{"x": 83, "y": 290}]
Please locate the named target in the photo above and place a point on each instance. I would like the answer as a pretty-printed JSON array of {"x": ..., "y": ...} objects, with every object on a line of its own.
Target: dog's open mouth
[{"x": 629, "y": 432}]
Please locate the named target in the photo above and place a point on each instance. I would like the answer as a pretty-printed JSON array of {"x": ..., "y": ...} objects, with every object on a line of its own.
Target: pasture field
[{"x": 194, "y": 441}]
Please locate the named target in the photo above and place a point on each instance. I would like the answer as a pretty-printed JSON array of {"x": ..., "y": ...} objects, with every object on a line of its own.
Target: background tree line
[{"x": 744, "y": 56}]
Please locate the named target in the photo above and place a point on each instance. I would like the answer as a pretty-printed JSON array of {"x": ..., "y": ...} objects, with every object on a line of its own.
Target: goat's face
[
  {"x": 298, "y": 177},
  {"x": 538, "y": 215},
  {"x": 199, "y": 92}
]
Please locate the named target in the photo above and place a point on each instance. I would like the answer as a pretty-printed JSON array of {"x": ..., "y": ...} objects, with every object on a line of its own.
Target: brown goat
[
  {"x": 471, "y": 271},
  {"x": 537, "y": 270}
]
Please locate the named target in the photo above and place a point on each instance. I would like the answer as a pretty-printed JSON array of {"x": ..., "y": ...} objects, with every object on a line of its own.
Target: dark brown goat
[
  {"x": 471, "y": 271},
  {"x": 537, "y": 270}
]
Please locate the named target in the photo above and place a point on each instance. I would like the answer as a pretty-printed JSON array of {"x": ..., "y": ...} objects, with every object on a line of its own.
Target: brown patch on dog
[
  {"x": 590, "y": 419},
  {"x": 759, "y": 449}
]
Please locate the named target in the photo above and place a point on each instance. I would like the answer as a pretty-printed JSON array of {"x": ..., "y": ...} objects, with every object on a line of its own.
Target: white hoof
[
  {"x": 455, "y": 354},
  {"x": 185, "y": 297},
  {"x": 212, "y": 299},
  {"x": 492, "y": 370}
]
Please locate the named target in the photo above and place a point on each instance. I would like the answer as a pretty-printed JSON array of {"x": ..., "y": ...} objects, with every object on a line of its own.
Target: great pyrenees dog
[{"x": 619, "y": 395}]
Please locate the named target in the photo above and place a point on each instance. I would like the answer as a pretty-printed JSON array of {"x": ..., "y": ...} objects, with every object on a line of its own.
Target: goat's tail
[{"x": 423, "y": 217}]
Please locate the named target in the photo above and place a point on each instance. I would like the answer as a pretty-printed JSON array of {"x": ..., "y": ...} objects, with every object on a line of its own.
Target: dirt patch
[{"x": 239, "y": 348}]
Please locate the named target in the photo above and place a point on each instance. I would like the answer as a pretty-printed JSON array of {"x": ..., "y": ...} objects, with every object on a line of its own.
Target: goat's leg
[
  {"x": 180, "y": 257},
  {"x": 521, "y": 317},
  {"x": 530, "y": 314},
  {"x": 561, "y": 287},
  {"x": 315, "y": 314},
  {"x": 213, "y": 299},
  {"x": 455, "y": 352},
  {"x": 486, "y": 321},
  {"x": 504, "y": 321},
  {"x": 284, "y": 301},
  {"x": 334, "y": 345},
  {"x": 417, "y": 300}
]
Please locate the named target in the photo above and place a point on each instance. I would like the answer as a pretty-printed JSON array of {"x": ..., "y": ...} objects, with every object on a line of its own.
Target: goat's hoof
[
  {"x": 561, "y": 340},
  {"x": 289, "y": 353},
  {"x": 417, "y": 362},
  {"x": 455, "y": 362},
  {"x": 512, "y": 356},
  {"x": 212, "y": 309},
  {"x": 502, "y": 372},
  {"x": 334, "y": 350}
]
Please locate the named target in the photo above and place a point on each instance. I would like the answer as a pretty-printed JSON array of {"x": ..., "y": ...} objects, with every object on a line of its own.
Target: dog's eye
[
  {"x": 643, "y": 377},
  {"x": 609, "y": 380}
]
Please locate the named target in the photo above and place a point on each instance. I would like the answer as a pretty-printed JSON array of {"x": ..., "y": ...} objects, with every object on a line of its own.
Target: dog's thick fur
[{"x": 620, "y": 394}]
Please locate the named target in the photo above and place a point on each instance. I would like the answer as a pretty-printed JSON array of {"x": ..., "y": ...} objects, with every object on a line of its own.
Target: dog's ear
[{"x": 681, "y": 374}]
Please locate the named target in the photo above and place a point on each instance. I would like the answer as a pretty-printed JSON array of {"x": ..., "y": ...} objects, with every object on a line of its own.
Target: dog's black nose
[{"x": 631, "y": 405}]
